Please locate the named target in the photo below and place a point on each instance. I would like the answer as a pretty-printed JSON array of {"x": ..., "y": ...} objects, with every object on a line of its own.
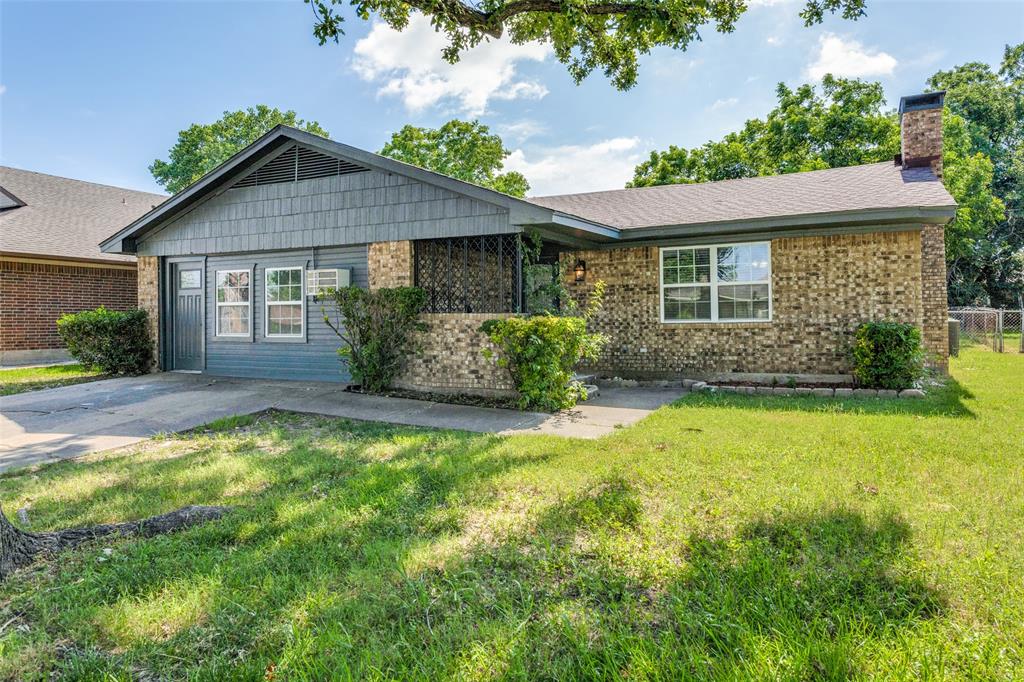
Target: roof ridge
[{"x": 84, "y": 182}]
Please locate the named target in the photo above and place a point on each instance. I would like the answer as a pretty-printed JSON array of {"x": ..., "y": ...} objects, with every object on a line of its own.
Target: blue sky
[{"x": 97, "y": 90}]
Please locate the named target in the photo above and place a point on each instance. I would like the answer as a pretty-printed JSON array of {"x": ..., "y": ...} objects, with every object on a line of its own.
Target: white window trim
[
  {"x": 713, "y": 283},
  {"x": 267, "y": 303},
  {"x": 218, "y": 304}
]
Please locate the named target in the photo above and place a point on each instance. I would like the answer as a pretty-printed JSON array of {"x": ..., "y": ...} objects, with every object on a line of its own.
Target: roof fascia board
[
  {"x": 857, "y": 219},
  {"x": 550, "y": 233},
  {"x": 763, "y": 235},
  {"x": 579, "y": 225},
  {"x": 18, "y": 256}
]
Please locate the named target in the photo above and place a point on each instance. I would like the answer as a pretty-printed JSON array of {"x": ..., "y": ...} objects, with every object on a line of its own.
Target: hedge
[{"x": 112, "y": 341}]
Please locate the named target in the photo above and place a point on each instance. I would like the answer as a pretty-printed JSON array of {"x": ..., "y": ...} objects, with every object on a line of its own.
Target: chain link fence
[{"x": 1000, "y": 330}]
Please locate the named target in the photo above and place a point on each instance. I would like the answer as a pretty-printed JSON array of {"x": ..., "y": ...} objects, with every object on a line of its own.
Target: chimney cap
[{"x": 929, "y": 100}]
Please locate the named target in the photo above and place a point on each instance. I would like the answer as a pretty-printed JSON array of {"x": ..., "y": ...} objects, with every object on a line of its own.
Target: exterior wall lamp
[{"x": 581, "y": 271}]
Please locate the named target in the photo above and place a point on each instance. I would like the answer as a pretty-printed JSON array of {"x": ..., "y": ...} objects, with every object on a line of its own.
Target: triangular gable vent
[{"x": 298, "y": 163}]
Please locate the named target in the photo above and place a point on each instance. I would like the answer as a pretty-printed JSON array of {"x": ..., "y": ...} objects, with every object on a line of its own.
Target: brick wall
[
  {"x": 390, "y": 264},
  {"x": 149, "y": 297},
  {"x": 822, "y": 287},
  {"x": 934, "y": 301},
  {"x": 451, "y": 358},
  {"x": 921, "y": 137},
  {"x": 34, "y": 295}
]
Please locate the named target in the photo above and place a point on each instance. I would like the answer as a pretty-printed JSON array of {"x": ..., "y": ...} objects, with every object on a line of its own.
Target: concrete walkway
[{"x": 58, "y": 423}]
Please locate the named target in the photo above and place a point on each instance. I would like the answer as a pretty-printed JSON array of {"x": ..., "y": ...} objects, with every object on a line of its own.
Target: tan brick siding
[
  {"x": 34, "y": 295},
  {"x": 149, "y": 296},
  {"x": 451, "y": 357},
  {"x": 934, "y": 301},
  {"x": 822, "y": 288},
  {"x": 390, "y": 264},
  {"x": 921, "y": 137}
]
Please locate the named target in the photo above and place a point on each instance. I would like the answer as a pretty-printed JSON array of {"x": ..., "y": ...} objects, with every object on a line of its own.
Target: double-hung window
[
  {"x": 234, "y": 303},
  {"x": 722, "y": 283},
  {"x": 285, "y": 303}
]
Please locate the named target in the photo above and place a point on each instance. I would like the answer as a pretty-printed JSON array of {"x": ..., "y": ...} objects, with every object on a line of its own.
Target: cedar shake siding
[{"x": 345, "y": 210}]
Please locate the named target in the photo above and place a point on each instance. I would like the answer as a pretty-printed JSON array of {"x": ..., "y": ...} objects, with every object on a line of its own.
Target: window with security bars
[{"x": 471, "y": 274}]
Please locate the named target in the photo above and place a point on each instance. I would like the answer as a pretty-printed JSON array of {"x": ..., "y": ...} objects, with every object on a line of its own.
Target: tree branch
[{"x": 19, "y": 548}]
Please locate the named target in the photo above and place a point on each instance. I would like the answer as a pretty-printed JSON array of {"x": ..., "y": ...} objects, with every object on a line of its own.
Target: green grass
[
  {"x": 34, "y": 378},
  {"x": 725, "y": 537}
]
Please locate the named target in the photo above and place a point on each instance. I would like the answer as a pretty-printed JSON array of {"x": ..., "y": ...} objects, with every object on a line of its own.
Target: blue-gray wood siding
[
  {"x": 313, "y": 359},
  {"x": 349, "y": 209}
]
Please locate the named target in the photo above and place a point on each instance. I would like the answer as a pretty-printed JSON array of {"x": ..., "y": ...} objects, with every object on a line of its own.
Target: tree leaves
[
  {"x": 202, "y": 147},
  {"x": 843, "y": 125},
  {"x": 585, "y": 34},
  {"x": 466, "y": 150}
]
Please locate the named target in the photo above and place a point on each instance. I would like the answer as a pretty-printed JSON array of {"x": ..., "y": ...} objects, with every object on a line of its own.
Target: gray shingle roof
[
  {"x": 855, "y": 188},
  {"x": 66, "y": 218}
]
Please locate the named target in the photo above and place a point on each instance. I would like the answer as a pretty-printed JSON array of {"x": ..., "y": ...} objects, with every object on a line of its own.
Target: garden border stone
[{"x": 819, "y": 392}]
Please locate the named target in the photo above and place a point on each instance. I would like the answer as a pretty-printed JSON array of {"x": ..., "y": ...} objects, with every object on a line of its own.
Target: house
[
  {"x": 763, "y": 275},
  {"x": 50, "y": 261}
]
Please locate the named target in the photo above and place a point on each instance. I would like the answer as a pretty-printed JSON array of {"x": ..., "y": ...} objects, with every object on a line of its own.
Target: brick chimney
[{"x": 921, "y": 131}]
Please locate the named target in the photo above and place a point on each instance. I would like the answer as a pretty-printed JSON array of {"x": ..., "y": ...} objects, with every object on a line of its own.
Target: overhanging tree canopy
[{"x": 584, "y": 34}]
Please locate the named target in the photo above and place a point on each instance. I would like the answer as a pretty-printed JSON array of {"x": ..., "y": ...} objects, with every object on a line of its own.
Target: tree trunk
[{"x": 19, "y": 548}]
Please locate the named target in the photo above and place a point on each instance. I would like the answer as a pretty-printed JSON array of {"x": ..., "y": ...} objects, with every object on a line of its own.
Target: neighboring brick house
[
  {"x": 760, "y": 275},
  {"x": 50, "y": 260}
]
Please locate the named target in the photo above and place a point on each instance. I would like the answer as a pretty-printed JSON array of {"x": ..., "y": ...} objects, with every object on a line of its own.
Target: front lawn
[
  {"x": 725, "y": 537},
  {"x": 34, "y": 378}
]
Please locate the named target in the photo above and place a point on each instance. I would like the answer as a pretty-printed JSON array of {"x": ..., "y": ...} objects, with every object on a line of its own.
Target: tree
[
  {"x": 202, "y": 147},
  {"x": 466, "y": 150},
  {"x": 990, "y": 270},
  {"x": 585, "y": 35},
  {"x": 845, "y": 125},
  {"x": 848, "y": 124}
]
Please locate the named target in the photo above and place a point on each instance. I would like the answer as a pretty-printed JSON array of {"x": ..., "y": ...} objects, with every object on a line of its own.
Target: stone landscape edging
[{"x": 823, "y": 392}]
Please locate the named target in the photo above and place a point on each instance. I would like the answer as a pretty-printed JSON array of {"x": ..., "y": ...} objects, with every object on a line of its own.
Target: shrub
[
  {"x": 112, "y": 341},
  {"x": 887, "y": 355},
  {"x": 541, "y": 352},
  {"x": 377, "y": 328}
]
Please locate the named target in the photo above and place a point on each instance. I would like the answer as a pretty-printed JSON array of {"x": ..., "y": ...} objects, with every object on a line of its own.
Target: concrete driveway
[{"x": 58, "y": 423}]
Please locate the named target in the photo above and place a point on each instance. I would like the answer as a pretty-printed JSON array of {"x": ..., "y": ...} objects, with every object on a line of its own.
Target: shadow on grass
[
  {"x": 793, "y": 596},
  {"x": 947, "y": 400},
  {"x": 310, "y": 578}
]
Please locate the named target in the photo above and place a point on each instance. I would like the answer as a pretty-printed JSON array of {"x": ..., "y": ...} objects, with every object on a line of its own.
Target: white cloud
[
  {"x": 849, "y": 58},
  {"x": 521, "y": 130},
  {"x": 607, "y": 164},
  {"x": 408, "y": 65},
  {"x": 3, "y": 88},
  {"x": 724, "y": 103},
  {"x": 774, "y": 41}
]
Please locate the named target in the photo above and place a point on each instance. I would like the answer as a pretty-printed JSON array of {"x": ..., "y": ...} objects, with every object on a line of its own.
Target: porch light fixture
[{"x": 581, "y": 271}]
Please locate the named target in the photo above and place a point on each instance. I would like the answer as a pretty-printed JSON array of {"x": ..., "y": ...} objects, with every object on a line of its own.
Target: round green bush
[
  {"x": 887, "y": 355},
  {"x": 112, "y": 341}
]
